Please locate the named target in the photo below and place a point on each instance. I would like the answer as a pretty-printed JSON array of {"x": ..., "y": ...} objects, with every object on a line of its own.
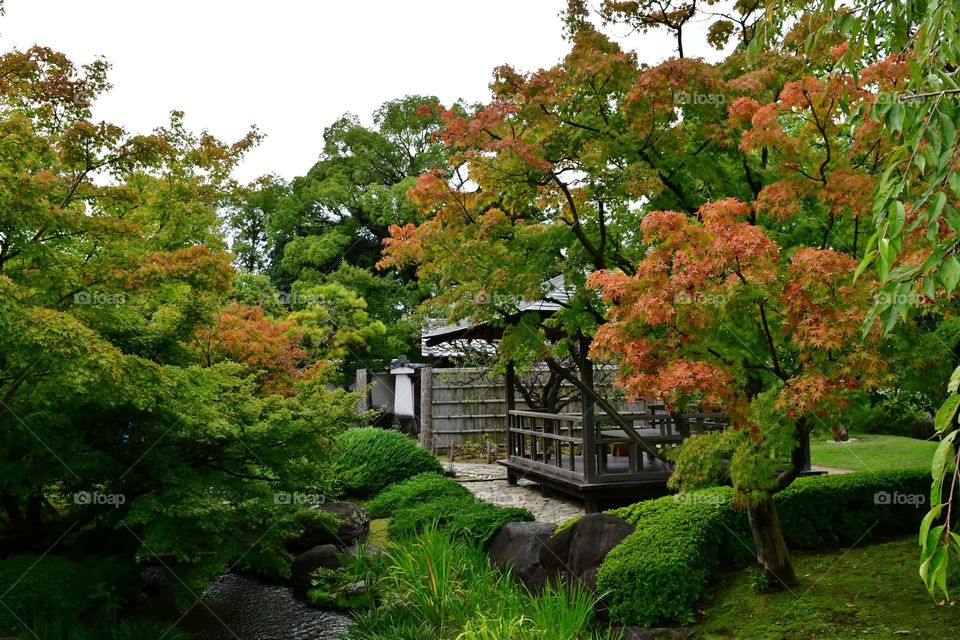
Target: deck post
[
  {"x": 426, "y": 408},
  {"x": 510, "y": 380},
  {"x": 589, "y": 425},
  {"x": 362, "y": 380}
]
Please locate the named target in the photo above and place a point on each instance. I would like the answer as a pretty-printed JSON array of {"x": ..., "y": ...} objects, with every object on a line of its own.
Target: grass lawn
[
  {"x": 869, "y": 592},
  {"x": 873, "y": 452}
]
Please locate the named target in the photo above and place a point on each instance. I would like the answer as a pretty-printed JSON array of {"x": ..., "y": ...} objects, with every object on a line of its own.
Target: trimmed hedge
[
  {"x": 831, "y": 511},
  {"x": 367, "y": 460},
  {"x": 662, "y": 569},
  {"x": 424, "y": 487},
  {"x": 463, "y": 518},
  {"x": 432, "y": 500}
]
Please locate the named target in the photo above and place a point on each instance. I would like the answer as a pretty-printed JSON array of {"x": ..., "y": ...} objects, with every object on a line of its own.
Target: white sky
[{"x": 293, "y": 66}]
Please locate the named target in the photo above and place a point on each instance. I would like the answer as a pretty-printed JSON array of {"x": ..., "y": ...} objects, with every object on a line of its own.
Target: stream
[{"x": 238, "y": 607}]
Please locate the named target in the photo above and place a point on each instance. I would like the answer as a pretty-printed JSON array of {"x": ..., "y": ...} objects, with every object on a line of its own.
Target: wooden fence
[{"x": 459, "y": 406}]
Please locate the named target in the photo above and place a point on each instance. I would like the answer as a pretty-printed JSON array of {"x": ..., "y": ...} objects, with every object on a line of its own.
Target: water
[{"x": 238, "y": 607}]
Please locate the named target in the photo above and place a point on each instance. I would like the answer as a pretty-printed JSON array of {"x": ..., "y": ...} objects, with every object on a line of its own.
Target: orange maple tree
[
  {"x": 268, "y": 349},
  {"x": 721, "y": 210}
]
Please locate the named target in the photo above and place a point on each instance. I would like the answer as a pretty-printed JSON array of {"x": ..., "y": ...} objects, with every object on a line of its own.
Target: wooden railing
[{"x": 569, "y": 447}]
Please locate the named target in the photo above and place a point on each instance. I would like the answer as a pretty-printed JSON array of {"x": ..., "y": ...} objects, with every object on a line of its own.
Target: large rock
[
  {"x": 324, "y": 556},
  {"x": 517, "y": 545},
  {"x": 354, "y": 524},
  {"x": 354, "y": 521},
  {"x": 576, "y": 553}
]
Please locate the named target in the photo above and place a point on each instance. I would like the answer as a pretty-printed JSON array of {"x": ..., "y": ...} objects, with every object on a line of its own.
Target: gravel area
[{"x": 489, "y": 482}]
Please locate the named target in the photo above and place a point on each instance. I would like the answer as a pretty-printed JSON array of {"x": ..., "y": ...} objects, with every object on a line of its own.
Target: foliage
[
  {"x": 54, "y": 598},
  {"x": 461, "y": 517},
  {"x": 117, "y": 431},
  {"x": 424, "y": 487},
  {"x": 909, "y": 54},
  {"x": 446, "y": 589},
  {"x": 249, "y": 214},
  {"x": 366, "y": 460},
  {"x": 358, "y": 584},
  {"x": 721, "y": 210},
  {"x": 664, "y": 568},
  {"x": 569, "y": 522},
  {"x": 268, "y": 349},
  {"x": 49, "y": 588},
  {"x": 319, "y": 236}
]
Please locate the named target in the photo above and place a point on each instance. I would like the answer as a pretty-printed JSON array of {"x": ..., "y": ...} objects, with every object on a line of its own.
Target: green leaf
[
  {"x": 954, "y": 182},
  {"x": 953, "y": 219},
  {"x": 864, "y": 264},
  {"x": 883, "y": 266},
  {"x": 950, "y": 273},
  {"x": 942, "y": 457},
  {"x": 948, "y": 130},
  {"x": 895, "y": 117},
  {"x": 925, "y": 525},
  {"x": 954, "y": 383},
  {"x": 939, "y": 201},
  {"x": 897, "y": 218},
  {"x": 947, "y": 412}
]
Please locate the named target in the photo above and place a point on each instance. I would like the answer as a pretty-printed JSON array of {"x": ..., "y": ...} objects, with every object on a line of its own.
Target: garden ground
[{"x": 866, "y": 592}]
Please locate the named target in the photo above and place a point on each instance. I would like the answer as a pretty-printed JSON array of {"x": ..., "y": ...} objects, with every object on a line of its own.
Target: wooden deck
[{"x": 590, "y": 458}]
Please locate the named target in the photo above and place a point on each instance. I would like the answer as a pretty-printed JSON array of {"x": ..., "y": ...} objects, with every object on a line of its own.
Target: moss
[
  {"x": 864, "y": 592},
  {"x": 379, "y": 535}
]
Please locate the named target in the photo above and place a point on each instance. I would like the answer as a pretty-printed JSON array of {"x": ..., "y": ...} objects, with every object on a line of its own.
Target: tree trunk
[{"x": 772, "y": 553}]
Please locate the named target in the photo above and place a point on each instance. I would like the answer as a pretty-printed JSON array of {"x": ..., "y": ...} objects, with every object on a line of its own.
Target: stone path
[
  {"x": 489, "y": 482},
  {"x": 830, "y": 470}
]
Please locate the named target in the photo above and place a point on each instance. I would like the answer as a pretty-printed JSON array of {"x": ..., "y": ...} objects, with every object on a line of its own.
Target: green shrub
[
  {"x": 831, "y": 511},
  {"x": 665, "y": 565},
  {"x": 367, "y": 460},
  {"x": 53, "y": 589},
  {"x": 424, "y": 487},
  {"x": 462, "y": 517},
  {"x": 662, "y": 569}
]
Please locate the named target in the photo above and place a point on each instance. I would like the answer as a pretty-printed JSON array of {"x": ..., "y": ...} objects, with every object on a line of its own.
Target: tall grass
[
  {"x": 103, "y": 630},
  {"x": 445, "y": 589}
]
